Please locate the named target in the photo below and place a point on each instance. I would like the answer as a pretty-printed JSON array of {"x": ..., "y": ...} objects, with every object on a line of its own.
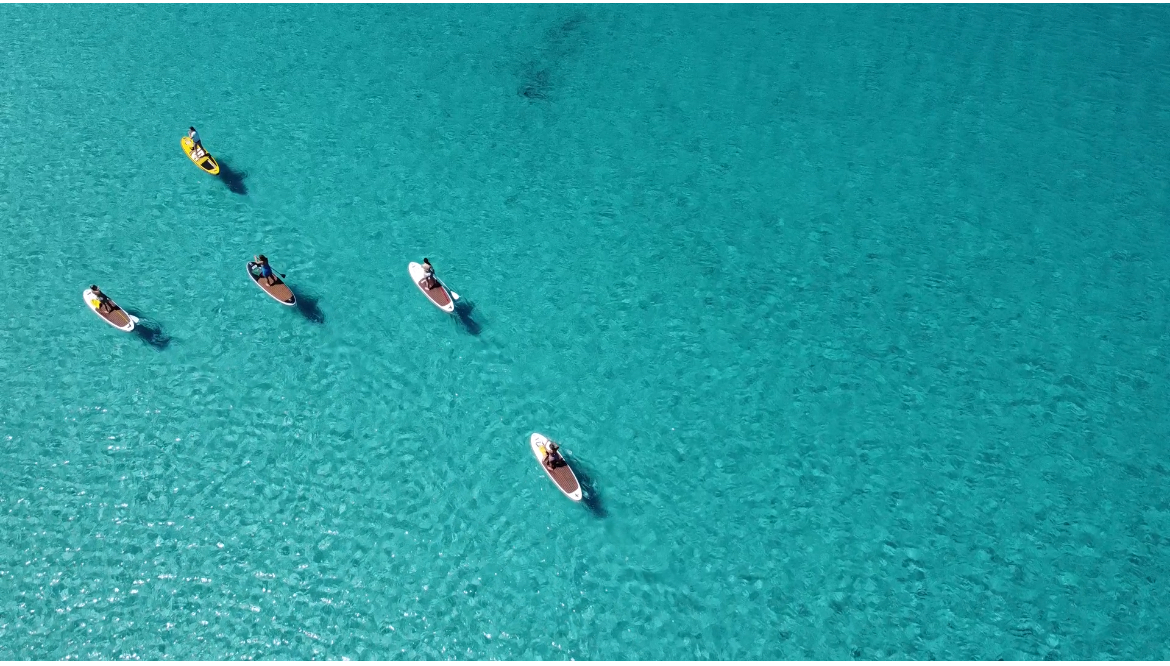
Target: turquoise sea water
[{"x": 853, "y": 318}]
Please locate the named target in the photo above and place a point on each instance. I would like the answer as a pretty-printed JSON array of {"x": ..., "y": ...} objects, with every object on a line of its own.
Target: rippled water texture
[{"x": 853, "y": 320}]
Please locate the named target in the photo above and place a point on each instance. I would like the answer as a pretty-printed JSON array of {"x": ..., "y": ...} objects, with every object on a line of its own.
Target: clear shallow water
[{"x": 879, "y": 292}]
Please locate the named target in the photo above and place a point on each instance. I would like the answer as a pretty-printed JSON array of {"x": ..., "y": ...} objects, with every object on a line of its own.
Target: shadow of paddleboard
[
  {"x": 232, "y": 178},
  {"x": 463, "y": 310},
  {"x": 309, "y": 309},
  {"x": 150, "y": 332},
  {"x": 590, "y": 497}
]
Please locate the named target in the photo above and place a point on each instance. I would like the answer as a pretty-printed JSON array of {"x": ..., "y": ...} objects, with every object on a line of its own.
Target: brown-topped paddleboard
[
  {"x": 561, "y": 475},
  {"x": 278, "y": 289},
  {"x": 436, "y": 291},
  {"x": 116, "y": 317}
]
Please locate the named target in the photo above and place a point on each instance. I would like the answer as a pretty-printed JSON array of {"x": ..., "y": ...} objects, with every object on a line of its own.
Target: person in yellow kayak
[{"x": 197, "y": 149}]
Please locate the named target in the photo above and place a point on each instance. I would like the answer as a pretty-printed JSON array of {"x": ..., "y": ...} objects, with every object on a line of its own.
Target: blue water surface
[{"x": 853, "y": 320}]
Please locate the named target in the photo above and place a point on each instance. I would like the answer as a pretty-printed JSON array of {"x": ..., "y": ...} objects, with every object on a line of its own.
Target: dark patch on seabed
[
  {"x": 536, "y": 75},
  {"x": 535, "y": 85}
]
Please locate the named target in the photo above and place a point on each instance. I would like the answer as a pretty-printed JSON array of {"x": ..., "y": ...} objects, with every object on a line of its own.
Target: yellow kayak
[{"x": 203, "y": 159}]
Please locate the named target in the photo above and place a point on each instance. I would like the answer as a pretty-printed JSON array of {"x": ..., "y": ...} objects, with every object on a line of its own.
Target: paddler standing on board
[
  {"x": 552, "y": 456},
  {"x": 261, "y": 262},
  {"x": 428, "y": 280},
  {"x": 197, "y": 147}
]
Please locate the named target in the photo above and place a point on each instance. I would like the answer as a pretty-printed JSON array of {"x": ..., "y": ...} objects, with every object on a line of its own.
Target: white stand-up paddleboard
[
  {"x": 278, "y": 290},
  {"x": 437, "y": 294},
  {"x": 117, "y": 317},
  {"x": 563, "y": 475}
]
